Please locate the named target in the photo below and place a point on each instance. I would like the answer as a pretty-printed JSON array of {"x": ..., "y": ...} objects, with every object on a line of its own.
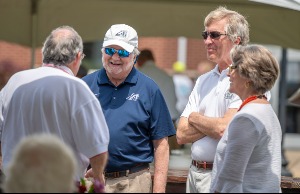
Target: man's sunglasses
[
  {"x": 122, "y": 53},
  {"x": 213, "y": 34}
]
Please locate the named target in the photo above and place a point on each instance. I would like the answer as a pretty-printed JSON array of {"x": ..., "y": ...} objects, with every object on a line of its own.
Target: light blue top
[{"x": 248, "y": 156}]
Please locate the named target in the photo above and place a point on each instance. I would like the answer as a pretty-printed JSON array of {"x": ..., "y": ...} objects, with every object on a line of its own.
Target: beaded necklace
[{"x": 251, "y": 98}]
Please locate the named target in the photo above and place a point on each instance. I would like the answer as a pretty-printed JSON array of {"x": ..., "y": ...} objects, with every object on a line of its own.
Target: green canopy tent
[{"x": 27, "y": 22}]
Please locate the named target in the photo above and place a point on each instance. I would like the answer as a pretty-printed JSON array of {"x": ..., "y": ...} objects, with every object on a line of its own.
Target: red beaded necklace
[{"x": 251, "y": 98}]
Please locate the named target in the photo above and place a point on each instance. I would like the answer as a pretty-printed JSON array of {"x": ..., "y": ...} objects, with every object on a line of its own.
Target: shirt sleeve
[
  {"x": 241, "y": 141},
  {"x": 89, "y": 127}
]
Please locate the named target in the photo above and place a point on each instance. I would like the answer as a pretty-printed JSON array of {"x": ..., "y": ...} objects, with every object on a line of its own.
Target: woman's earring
[{"x": 247, "y": 84}]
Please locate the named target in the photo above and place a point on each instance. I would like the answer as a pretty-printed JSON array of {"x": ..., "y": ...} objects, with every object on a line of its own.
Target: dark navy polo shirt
[{"x": 136, "y": 113}]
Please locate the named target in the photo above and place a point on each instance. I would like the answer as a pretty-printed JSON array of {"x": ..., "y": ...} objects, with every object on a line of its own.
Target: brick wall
[
  {"x": 164, "y": 50},
  {"x": 14, "y": 57},
  {"x": 196, "y": 53}
]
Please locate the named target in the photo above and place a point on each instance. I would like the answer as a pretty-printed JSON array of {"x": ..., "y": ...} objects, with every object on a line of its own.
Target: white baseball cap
[{"x": 122, "y": 35}]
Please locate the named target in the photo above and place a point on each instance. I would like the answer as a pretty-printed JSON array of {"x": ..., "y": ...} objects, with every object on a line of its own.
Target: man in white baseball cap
[
  {"x": 137, "y": 116},
  {"x": 121, "y": 35}
]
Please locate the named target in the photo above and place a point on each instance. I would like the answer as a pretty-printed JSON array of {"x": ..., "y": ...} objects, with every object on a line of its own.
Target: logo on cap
[{"x": 122, "y": 33}]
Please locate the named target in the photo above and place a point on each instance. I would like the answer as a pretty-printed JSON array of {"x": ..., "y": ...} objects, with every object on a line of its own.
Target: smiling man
[
  {"x": 137, "y": 116},
  {"x": 211, "y": 106}
]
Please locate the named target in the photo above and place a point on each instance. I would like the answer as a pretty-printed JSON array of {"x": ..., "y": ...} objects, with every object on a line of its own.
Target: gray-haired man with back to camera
[{"x": 50, "y": 99}]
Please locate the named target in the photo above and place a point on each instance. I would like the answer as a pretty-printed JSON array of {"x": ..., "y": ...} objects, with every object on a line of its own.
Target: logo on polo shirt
[
  {"x": 228, "y": 95},
  {"x": 133, "y": 97}
]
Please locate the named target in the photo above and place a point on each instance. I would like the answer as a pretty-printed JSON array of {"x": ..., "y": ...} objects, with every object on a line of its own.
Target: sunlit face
[
  {"x": 237, "y": 83},
  {"x": 117, "y": 68},
  {"x": 218, "y": 49}
]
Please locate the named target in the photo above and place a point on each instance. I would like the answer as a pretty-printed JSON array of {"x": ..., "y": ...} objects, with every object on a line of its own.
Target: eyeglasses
[
  {"x": 231, "y": 68},
  {"x": 122, "y": 53},
  {"x": 213, "y": 34}
]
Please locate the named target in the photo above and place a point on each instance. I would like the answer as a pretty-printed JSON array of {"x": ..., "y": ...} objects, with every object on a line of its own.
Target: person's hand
[
  {"x": 90, "y": 185},
  {"x": 98, "y": 187},
  {"x": 89, "y": 174}
]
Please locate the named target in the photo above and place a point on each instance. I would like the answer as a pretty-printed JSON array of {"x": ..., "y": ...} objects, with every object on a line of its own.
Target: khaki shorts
[{"x": 139, "y": 182}]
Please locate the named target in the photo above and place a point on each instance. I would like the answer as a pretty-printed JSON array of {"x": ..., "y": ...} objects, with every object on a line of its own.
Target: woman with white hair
[{"x": 41, "y": 163}]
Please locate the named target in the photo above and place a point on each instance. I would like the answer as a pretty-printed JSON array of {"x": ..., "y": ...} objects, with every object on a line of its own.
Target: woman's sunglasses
[
  {"x": 122, "y": 53},
  {"x": 231, "y": 68},
  {"x": 213, "y": 34}
]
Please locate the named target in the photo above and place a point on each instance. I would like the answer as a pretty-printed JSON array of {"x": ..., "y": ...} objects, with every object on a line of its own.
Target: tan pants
[{"x": 139, "y": 182}]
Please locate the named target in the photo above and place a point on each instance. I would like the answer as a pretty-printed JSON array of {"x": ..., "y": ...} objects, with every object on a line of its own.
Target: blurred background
[{"x": 171, "y": 29}]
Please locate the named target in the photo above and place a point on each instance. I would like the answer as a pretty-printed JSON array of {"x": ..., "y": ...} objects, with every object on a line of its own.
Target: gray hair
[
  {"x": 257, "y": 64},
  {"x": 41, "y": 163},
  {"x": 62, "y": 46},
  {"x": 237, "y": 25}
]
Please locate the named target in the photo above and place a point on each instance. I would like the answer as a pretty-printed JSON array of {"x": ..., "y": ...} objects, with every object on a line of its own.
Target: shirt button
[
  {"x": 114, "y": 98},
  {"x": 116, "y": 88}
]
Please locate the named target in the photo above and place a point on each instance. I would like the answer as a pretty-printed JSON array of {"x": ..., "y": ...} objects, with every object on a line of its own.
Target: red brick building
[{"x": 14, "y": 57}]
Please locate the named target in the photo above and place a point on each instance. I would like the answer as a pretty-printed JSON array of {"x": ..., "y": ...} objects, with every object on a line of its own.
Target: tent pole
[
  {"x": 33, "y": 31},
  {"x": 282, "y": 109}
]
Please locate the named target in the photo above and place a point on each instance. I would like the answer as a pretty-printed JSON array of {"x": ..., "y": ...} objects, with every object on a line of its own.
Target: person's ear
[
  {"x": 74, "y": 66},
  {"x": 237, "y": 40},
  {"x": 78, "y": 58}
]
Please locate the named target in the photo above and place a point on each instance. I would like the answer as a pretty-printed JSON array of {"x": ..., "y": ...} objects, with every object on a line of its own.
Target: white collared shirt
[{"x": 210, "y": 97}]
